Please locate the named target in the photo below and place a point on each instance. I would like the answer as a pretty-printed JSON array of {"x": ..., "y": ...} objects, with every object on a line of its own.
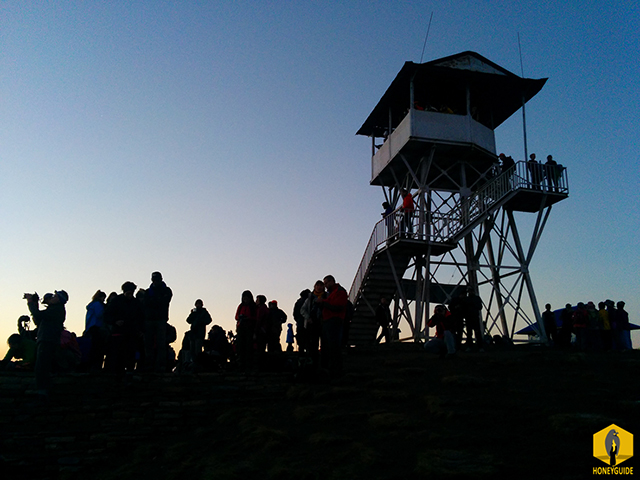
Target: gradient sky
[{"x": 215, "y": 142}]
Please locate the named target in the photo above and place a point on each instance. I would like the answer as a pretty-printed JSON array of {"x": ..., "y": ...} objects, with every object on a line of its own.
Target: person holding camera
[{"x": 50, "y": 322}]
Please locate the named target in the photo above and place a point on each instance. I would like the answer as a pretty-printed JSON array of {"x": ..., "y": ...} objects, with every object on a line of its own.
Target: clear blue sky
[{"x": 215, "y": 142}]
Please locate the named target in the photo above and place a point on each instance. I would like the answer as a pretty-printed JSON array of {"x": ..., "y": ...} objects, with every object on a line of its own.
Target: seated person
[
  {"x": 444, "y": 341},
  {"x": 22, "y": 349}
]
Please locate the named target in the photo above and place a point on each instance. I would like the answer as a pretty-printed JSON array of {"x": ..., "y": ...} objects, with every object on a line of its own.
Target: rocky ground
[{"x": 397, "y": 413}]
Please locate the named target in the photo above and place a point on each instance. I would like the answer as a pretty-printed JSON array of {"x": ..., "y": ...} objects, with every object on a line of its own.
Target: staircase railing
[{"x": 379, "y": 235}]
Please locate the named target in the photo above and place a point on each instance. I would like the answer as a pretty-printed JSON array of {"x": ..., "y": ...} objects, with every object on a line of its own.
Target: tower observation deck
[{"x": 432, "y": 134}]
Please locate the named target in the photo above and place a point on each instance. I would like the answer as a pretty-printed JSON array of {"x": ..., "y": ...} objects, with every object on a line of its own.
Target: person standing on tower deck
[
  {"x": 553, "y": 171},
  {"x": 408, "y": 208},
  {"x": 535, "y": 172},
  {"x": 334, "y": 309},
  {"x": 156, "y": 304},
  {"x": 507, "y": 165}
]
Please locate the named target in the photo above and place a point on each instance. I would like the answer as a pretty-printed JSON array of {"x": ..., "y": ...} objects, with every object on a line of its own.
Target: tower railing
[
  {"x": 449, "y": 226},
  {"x": 521, "y": 176}
]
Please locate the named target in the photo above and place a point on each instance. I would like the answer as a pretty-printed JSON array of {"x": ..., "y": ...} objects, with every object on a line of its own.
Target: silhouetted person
[
  {"x": 549, "y": 322},
  {"x": 24, "y": 328},
  {"x": 473, "y": 320},
  {"x": 507, "y": 165},
  {"x": 246, "y": 314},
  {"x": 579, "y": 320},
  {"x": 156, "y": 304},
  {"x": 312, "y": 313},
  {"x": 383, "y": 319},
  {"x": 301, "y": 332},
  {"x": 564, "y": 336},
  {"x": 217, "y": 346},
  {"x": 623, "y": 329},
  {"x": 408, "y": 208},
  {"x": 185, "y": 361},
  {"x": 126, "y": 318},
  {"x": 334, "y": 308},
  {"x": 444, "y": 342},
  {"x": 277, "y": 318},
  {"x": 554, "y": 171},
  {"x": 457, "y": 308},
  {"x": 593, "y": 328},
  {"x": 535, "y": 172},
  {"x": 605, "y": 327},
  {"x": 261, "y": 334},
  {"x": 506, "y": 162},
  {"x": 388, "y": 218},
  {"x": 290, "y": 338},
  {"x": 199, "y": 318},
  {"x": 50, "y": 323},
  {"x": 22, "y": 349},
  {"x": 96, "y": 330}
]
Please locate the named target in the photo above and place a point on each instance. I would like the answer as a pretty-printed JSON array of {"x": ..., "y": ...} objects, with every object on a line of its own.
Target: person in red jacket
[
  {"x": 580, "y": 319},
  {"x": 408, "y": 208},
  {"x": 334, "y": 308},
  {"x": 444, "y": 341}
]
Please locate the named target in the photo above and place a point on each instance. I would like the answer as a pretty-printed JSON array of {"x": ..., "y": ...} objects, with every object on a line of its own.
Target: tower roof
[{"x": 495, "y": 93}]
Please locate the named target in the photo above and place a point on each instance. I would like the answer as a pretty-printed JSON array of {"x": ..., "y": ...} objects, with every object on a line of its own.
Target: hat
[
  {"x": 62, "y": 296},
  {"x": 156, "y": 276},
  {"x": 275, "y": 302}
]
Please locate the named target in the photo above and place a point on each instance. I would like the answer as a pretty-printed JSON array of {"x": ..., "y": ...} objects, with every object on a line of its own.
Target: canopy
[{"x": 494, "y": 93}]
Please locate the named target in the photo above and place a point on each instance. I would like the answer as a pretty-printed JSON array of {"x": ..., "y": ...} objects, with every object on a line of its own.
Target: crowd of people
[
  {"x": 587, "y": 328},
  {"x": 130, "y": 332},
  {"x": 541, "y": 176},
  {"x": 123, "y": 332},
  {"x": 583, "y": 327},
  {"x": 322, "y": 318},
  {"x": 462, "y": 315}
]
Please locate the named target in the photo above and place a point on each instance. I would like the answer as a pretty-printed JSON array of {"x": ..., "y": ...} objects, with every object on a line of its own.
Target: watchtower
[{"x": 432, "y": 134}]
